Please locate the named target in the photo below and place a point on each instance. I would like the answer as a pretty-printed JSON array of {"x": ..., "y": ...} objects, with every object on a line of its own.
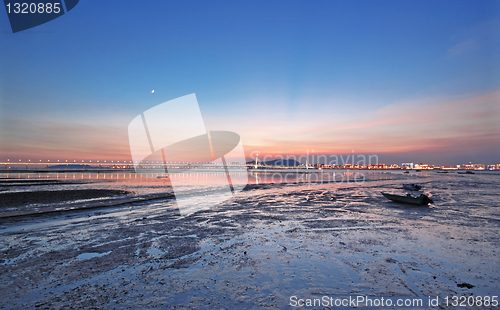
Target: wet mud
[{"x": 256, "y": 250}]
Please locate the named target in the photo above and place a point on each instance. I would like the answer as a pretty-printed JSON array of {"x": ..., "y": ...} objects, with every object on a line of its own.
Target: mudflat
[{"x": 268, "y": 245}]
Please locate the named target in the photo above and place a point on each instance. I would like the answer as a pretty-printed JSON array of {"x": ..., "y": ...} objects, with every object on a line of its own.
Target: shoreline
[{"x": 284, "y": 170}]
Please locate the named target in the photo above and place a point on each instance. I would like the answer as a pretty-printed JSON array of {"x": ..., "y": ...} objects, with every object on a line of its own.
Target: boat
[
  {"x": 406, "y": 172},
  {"x": 466, "y": 172},
  {"x": 408, "y": 198},
  {"x": 418, "y": 170},
  {"x": 412, "y": 187}
]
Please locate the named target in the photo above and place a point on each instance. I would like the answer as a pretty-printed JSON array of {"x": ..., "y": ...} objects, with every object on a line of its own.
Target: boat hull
[{"x": 422, "y": 200}]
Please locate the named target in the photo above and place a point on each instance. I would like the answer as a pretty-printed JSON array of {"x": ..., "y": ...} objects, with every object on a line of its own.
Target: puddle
[
  {"x": 91, "y": 255},
  {"x": 155, "y": 252}
]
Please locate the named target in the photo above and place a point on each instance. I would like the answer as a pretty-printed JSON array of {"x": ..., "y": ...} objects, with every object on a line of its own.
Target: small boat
[
  {"x": 408, "y": 198},
  {"x": 466, "y": 172},
  {"x": 406, "y": 172},
  {"x": 412, "y": 187},
  {"x": 418, "y": 170}
]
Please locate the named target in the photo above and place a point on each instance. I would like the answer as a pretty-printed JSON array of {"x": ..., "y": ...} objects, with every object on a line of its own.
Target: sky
[{"x": 409, "y": 81}]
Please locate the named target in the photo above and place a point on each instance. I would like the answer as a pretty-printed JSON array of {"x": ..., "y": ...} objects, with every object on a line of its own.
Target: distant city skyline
[
  {"x": 406, "y": 81},
  {"x": 358, "y": 160}
]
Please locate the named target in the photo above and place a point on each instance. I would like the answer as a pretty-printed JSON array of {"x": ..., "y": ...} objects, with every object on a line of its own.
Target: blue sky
[{"x": 286, "y": 75}]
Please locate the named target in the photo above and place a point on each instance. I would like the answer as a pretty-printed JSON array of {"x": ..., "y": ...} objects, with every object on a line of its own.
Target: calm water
[
  {"x": 473, "y": 188},
  {"x": 478, "y": 192}
]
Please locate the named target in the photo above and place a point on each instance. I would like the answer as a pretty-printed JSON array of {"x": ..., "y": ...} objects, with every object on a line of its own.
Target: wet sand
[
  {"x": 19, "y": 199},
  {"x": 253, "y": 251}
]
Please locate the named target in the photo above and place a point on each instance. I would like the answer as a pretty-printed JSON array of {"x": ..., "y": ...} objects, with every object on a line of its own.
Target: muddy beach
[{"x": 258, "y": 250}]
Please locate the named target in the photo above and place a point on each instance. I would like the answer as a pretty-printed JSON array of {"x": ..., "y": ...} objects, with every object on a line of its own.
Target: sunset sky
[{"x": 409, "y": 81}]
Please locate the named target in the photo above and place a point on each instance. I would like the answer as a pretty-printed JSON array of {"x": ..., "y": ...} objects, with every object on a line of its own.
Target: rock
[{"x": 467, "y": 285}]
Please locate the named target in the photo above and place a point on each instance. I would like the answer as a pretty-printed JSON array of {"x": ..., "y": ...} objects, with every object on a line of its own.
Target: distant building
[
  {"x": 407, "y": 165},
  {"x": 471, "y": 166},
  {"x": 493, "y": 167}
]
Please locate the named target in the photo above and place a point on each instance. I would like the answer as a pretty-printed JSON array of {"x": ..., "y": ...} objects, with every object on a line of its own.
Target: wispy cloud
[
  {"x": 482, "y": 36},
  {"x": 56, "y": 139},
  {"x": 428, "y": 125},
  {"x": 454, "y": 124},
  {"x": 463, "y": 47}
]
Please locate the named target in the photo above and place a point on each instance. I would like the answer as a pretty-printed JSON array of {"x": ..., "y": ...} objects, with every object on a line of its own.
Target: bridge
[{"x": 118, "y": 164}]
